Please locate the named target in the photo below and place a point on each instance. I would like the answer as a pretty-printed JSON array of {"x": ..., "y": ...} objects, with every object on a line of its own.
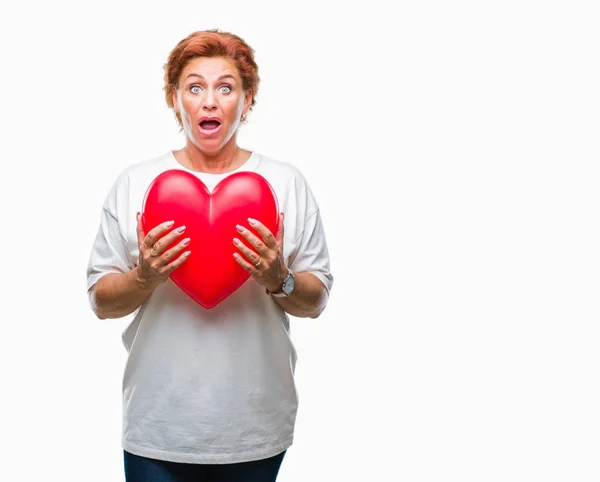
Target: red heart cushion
[{"x": 211, "y": 273}]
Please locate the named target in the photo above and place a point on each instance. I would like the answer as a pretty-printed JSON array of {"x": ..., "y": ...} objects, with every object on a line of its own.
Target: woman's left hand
[{"x": 266, "y": 265}]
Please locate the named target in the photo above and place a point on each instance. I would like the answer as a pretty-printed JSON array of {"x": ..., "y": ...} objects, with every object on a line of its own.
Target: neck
[{"x": 226, "y": 160}]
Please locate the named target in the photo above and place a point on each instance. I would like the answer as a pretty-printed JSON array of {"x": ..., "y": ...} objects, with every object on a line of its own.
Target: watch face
[{"x": 288, "y": 285}]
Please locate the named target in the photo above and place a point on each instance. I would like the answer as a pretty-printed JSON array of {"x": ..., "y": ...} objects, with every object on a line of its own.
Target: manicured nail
[
  {"x": 236, "y": 241},
  {"x": 181, "y": 229},
  {"x": 186, "y": 241},
  {"x": 236, "y": 256},
  {"x": 252, "y": 221},
  {"x": 240, "y": 228},
  {"x": 187, "y": 253},
  {"x": 168, "y": 224}
]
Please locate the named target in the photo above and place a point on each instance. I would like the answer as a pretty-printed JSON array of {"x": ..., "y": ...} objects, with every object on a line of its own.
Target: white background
[{"x": 453, "y": 149}]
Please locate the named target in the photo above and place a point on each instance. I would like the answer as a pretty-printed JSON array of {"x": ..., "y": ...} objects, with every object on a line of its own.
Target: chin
[{"x": 212, "y": 146}]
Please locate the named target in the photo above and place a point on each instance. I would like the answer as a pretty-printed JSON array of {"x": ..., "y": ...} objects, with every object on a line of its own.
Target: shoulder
[
  {"x": 289, "y": 183},
  {"x": 134, "y": 177},
  {"x": 140, "y": 172},
  {"x": 142, "y": 169},
  {"x": 281, "y": 171}
]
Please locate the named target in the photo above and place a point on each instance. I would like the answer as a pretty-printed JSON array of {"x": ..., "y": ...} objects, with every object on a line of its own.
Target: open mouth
[{"x": 209, "y": 126}]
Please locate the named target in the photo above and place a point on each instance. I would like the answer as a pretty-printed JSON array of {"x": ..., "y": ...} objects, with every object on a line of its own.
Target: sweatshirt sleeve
[
  {"x": 109, "y": 250},
  {"x": 312, "y": 254}
]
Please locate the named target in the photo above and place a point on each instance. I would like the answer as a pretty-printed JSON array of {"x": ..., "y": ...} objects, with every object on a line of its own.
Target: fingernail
[
  {"x": 252, "y": 221},
  {"x": 240, "y": 228},
  {"x": 186, "y": 241},
  {"x": 181, "y": 229},
  {"x": 236, "y": 256},
  {"x": 168, "y": 224},
  {"x": 236, "y": 241}
]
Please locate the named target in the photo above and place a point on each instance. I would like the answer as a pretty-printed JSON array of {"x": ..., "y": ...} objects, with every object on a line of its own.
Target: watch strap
[{"x": 280, "y": 293}]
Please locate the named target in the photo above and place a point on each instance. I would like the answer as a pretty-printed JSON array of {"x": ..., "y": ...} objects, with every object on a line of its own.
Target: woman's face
[{"x": 210, "y": 101}]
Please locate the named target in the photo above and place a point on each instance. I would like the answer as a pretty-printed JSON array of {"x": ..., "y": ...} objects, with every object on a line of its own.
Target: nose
[{"x": 209, "y": 101}]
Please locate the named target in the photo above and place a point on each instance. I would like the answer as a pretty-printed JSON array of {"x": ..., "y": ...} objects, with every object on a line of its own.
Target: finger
[
  {"x": 173, "y": 252},
  {"x": 244, "y": 264},
  {"x": 168, "y": 239},
  {"x": 246, "y": 251},
  {"x": 155, "y": 233},
  {"x": 264, "y": 232},
  {"x": 253, "y": 240},
  {"x": 177, "y": 263}
]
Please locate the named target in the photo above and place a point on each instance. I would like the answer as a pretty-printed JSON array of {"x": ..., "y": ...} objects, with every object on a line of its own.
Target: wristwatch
[{"x": 287, "y": 287}]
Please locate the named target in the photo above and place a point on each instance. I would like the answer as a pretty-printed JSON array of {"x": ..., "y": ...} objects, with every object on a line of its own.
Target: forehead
[{"x": 210, "y": 68}]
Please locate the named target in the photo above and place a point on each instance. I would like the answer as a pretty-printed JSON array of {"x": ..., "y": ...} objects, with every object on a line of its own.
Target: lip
[
  {"x": 202, "y": 119},
  {"x": 209, "y": 132}
]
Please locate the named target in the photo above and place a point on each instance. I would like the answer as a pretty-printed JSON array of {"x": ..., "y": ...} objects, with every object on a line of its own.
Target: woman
[{"x": 209, "y": 394}]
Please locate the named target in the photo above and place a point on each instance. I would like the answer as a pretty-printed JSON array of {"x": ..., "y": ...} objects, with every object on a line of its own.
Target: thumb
[
  {"x": 279, "y": 235},
  {"x": 140, "y": 229}
]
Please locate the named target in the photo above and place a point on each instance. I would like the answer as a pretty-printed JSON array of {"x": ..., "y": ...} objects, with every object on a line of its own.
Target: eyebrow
[{"x": 226, "y": 76}]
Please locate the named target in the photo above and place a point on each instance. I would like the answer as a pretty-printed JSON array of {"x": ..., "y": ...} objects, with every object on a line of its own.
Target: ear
[
  {"x": 247, "y": 102},
  {"x": 175, "y": 102}
]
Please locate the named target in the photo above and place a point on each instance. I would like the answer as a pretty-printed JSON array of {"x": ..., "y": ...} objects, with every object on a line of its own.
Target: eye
[
  {"x": 195, "y": 89},
  {"x": 225, "y": 89}
]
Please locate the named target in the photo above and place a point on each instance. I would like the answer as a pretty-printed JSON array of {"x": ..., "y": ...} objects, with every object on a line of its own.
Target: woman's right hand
[{"x": 156, "y": 262}]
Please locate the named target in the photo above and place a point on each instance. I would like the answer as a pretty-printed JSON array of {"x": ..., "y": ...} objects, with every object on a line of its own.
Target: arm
[
  {"x": 268, "y": 268},
  {"x": 309, "y": 298},
  {"x": 118, "y": 294}
]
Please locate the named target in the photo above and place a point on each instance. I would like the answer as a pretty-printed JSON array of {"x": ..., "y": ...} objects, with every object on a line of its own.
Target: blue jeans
[{"x": 142, "y": 469}]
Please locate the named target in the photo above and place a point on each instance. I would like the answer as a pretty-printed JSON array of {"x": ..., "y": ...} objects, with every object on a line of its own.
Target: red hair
[{"x": 211, "y": 43}]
